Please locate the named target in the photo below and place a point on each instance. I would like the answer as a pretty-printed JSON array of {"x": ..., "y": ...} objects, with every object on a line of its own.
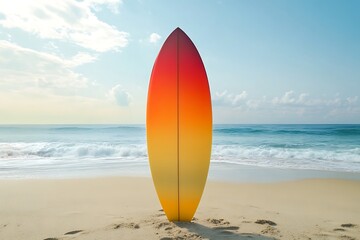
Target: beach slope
[{"x": 127, "y": 208}]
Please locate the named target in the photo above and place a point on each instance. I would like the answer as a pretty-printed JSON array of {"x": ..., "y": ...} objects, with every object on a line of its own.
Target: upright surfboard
[{"x": 179, "y": 126}]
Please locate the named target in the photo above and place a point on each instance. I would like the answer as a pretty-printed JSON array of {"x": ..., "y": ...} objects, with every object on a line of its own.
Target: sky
[{"x": 267, "y": 61}]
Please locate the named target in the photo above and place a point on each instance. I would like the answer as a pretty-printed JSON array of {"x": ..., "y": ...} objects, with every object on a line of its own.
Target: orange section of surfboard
[{"x": 179, "y": 126}]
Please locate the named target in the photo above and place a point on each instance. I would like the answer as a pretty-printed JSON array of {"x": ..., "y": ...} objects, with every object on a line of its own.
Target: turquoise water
[{"x": 86, "y": 150}]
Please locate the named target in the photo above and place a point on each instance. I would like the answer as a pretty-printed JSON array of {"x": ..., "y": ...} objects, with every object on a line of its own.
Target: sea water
[{"x": 52, "y": 151}]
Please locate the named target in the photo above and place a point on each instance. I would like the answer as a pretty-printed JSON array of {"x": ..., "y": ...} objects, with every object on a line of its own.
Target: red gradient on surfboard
[{"x": 179, "y": 126}]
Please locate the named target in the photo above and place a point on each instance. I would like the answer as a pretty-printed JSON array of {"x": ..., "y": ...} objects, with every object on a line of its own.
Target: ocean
[{"x": 62, "y": 151}]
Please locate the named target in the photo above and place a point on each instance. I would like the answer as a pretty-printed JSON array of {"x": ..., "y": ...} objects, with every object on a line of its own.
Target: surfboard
[{"x": 179, "y": 126}]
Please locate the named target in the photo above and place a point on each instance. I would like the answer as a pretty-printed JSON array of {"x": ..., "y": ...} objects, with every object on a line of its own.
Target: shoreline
[
  {"x": 220, "y": 172},
  {"x": 238, "y": 173},
  {"x": 128, "y": 208}
]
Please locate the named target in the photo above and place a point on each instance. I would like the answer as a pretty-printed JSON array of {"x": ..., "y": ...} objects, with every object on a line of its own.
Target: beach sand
[{"x": 128, "y": 208}]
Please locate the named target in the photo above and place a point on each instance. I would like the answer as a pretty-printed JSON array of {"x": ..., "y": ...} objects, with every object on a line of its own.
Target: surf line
[{"x": 178, "y": 130}]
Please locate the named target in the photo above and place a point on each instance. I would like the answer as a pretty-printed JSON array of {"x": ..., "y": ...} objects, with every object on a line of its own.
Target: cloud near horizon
[
  {"x": 39, "y": 106},
  {"x": 120, "y": 96},
  {"x": 229, "y": 99},
  {"x": 290, "y": 104}
]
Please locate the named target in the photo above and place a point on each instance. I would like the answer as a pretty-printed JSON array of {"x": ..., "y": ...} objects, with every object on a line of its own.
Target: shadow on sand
[{"x": 220, "y": 232}]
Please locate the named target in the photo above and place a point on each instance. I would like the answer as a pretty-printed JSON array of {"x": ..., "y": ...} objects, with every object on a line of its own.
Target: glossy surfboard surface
[{"x": 179, "y": 126}]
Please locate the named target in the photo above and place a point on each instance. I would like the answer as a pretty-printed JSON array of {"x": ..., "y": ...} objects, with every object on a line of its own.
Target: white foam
[
  {"x": 70, "y": 150},
  {"x": 306, "y": 158},
  {"x": 42, "y": 155}
]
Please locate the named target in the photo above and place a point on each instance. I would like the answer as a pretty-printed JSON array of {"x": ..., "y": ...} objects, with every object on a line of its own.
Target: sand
[{"x": 127, "y": 208}]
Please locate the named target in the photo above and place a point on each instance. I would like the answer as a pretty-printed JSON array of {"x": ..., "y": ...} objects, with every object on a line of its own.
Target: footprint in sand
[
  {"x": 73, "y": 232},
  {"x": 51, "y": 239},
  {"x": 222, "y": 226},
  {"x": 262, "y": 222},
  {"x": 339, "y": 230},
  {"x": 345, "y": 237},
  {"x": 165, "y": 225},
  {"x": 227, "y": 228},
  {"x": 127, "y": 225},
  {"x": 185, "y": 236},
  {"x": 270, "y": 230},
  {"x": 175, "y": 232},
  {"x": 215, "y": 221},
  {"x": 348, "y": 225}
]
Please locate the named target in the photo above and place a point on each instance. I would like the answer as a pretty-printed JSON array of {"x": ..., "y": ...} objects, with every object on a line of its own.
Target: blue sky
[{"x": 267, "y": 61}]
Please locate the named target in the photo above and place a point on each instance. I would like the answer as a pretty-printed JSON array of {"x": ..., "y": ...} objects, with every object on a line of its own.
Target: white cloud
[
  {"x": 253, "y": 104},
  {"x": 154, "y": 38},
  {"x": 224, "y": 98},
  {"x": 113, "y": 5},
  {"x": 119, "y": 95},
  {"x": 66, "y": 20},
  {"x": 80, "y": 59},
  {"x": 305, "y": 105},
  {"x": 239, "y": 98},
  {"x": 21, "y": 66},
  {"x": 352, "y": 100},
  {"x": 289, "y": 107},
  {"x": 290, "y": 98}
]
